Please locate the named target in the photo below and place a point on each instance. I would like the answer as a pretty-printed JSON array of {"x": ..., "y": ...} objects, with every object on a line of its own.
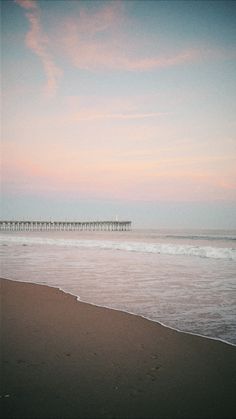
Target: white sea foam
[
  {"x": 141, "y": 247},
  {"x": 202, "y": 237}
]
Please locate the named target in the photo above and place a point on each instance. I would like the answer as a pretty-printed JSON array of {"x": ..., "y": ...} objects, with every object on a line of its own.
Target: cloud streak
[
  {"x": 101, "y": 40},
  {"x": 92, "y": 56},
  {"x": 37, "y": 41},
  {"x": 87, "y": 116}
]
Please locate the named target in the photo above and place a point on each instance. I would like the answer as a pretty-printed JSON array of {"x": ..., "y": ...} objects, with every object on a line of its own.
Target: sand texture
[{"x": 66, "y": 359}]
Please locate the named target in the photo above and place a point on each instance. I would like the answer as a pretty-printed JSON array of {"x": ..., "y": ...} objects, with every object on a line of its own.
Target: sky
[{"x": 119, "y": 108}]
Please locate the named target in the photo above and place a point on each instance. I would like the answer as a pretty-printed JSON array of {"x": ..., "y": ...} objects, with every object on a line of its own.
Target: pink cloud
[
  {"x": 92, "y": 54},
  {"x": 57, "y": 167},
  {"x": 89, "y": 116},
  {"x": 105, "y": 40},
  {"x": 94, "y": 108},
  {"x": 38, "y": 43},
  {"x": 101, "y": 41},
  {"x": 163, "y": 61},
  {"x": 27, "y": 4},
  {"x": 106, "y": 18}
]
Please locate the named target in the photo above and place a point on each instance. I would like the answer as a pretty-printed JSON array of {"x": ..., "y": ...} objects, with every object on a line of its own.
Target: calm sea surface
[{"x": 183, "y": 279}]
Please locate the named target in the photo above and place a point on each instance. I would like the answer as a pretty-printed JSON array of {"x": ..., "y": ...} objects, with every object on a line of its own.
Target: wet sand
[{"x": 65, "y": 359}]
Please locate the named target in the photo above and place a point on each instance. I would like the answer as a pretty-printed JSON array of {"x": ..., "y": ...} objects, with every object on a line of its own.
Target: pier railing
[{"x": 65, "y": 226}]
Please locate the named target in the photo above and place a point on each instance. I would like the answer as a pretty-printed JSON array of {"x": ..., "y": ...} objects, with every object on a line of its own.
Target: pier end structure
[{"x": 16, "y": 225}]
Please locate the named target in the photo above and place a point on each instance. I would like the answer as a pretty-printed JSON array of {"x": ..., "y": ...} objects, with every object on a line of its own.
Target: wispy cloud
[
  {"x": 100, "y": 40},
  {"x": 163, "y": 61},
  {"x": 37, "y": 41},
  {"x": 27, "y": 4},
  {"x": 88, "y": 116},
  {"x": 93, "y": 108},
  {"x": 95, "y": 56},
  {"x": 103, "y": 38}
]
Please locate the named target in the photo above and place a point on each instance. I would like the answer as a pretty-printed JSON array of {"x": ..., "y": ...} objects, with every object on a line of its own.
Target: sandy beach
[{"x": 66, "y": 359}]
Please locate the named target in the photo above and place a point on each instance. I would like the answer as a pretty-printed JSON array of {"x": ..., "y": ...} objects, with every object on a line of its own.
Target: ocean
[{"x": 185, "y": 280}]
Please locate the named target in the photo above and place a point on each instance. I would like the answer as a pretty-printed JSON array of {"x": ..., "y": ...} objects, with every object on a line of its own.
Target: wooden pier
[{"x": 65, "y": 226}]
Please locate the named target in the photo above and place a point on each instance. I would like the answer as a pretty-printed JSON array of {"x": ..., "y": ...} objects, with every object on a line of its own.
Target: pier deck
[{"x": 11, "y": 225}]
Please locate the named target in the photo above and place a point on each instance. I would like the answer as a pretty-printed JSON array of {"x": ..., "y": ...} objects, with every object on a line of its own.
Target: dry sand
[{"x": 66, "y": 359}]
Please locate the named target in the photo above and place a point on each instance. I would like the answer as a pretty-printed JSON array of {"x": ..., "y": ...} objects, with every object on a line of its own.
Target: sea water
[{"x": 183, "y": 279}]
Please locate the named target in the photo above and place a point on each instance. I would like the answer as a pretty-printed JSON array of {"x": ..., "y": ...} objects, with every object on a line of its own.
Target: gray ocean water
[{"x": 183, "y": 279}]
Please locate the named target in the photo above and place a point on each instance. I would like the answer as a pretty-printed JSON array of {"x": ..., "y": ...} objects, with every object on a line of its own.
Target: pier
[{"x": 65, "y": 226}]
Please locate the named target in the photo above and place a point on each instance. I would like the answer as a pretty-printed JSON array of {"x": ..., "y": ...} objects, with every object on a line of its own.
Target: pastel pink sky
[{"x": 129, "y": 101}]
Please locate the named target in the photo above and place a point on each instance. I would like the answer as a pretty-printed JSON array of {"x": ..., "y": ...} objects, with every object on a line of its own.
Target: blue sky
[{"x": 120, "y": 108}]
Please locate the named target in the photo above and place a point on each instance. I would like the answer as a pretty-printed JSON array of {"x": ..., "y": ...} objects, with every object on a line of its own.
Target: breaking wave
[
  {"x": 142, "y": 247},
  {"x": 202, "y": 237}
]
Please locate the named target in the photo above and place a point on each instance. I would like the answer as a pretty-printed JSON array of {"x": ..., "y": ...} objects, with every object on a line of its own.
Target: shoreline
[
  {"x": 123, "y": 311},
  {"x": 64, "y": 358}
]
